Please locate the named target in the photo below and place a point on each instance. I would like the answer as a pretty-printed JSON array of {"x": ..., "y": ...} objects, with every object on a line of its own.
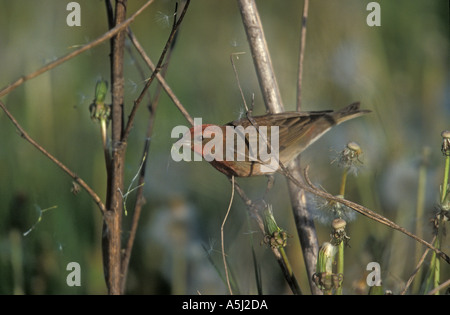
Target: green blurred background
[{"x": 399, "y": 70}]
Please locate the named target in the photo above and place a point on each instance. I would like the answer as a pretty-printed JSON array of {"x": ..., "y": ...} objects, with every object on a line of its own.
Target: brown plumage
[{"x": 297, "y": 131}]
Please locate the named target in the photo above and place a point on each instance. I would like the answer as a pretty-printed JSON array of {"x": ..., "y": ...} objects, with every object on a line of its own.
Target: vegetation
[{"x": 399, "y": 70}]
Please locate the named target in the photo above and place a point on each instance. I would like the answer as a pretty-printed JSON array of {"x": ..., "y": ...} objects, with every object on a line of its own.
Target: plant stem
[
  {"x": 420, "y": 208},
  {"x": 112, "y": 219},
  {"x": 290, "y": 273},
  {"x": 340, "y": 265},
  {"x": 222, "y": 237},
  {"x": 343, "y": 182},
  {"x": 112, "y": 32},
  {"x": 445, "y": 182}
]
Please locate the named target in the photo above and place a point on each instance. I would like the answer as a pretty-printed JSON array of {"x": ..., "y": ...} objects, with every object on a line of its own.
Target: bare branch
[
  {"x": 160, "y": 78},
  {"x": 140, "y": 200},
  {"x": 222, "y": 237},
  {"x": 419, "y": 265},
  {"x": 137, "y": 102},
  {"x": 75, "y": 177},
  {"x": 304, "y": 222},
  {"x": 364, "y": 211},
  {"x": 75, "y": 53}
]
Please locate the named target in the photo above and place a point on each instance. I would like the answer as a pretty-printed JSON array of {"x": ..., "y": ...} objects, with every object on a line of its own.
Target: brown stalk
[
  {"x": 112, "y": 219},
  {"x": 176, "y": 25},
  {"x": 272, "y": 98},
  {"x": 273, "y": 103},
  {"x": 160, "y": 78},
  {"x": 140, "y": 200},
  {"x": 113, "y": 216},
  {"x": 304, "y": 222}
]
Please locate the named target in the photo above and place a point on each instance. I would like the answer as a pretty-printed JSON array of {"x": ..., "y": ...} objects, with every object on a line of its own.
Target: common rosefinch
[{"x": 250, "y": 147}]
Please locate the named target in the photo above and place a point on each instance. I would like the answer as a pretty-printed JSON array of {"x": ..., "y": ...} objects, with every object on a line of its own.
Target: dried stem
[
  {"x": 255, "y": 212},
  {"x": 272, "y": 98},
  {"x": 137, "y": 102},
  {"x": 222, "y": 237},
  {"x": 140, "y": 200},
  {"x": 309, "y": 187},
  {"x": 160, "y": 78},
  {"x": 304, "y": 222},
  {"x": 112, "y": 219},
  {"x": 416, "y": 271},
  {"x": 261, "y": 56},
  {"x": 75, "y": 53},
  {"x": 75, "y": 177},
  {"x": 439, "y": 287}
]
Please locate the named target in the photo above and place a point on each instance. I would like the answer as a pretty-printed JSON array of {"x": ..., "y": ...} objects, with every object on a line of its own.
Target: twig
[
  {"x": 440, "y": 287},
  {"x": 137, "y": 102},
  {"x": 140, "y": 201},
  {"x": 237, "y": 79},
  {"x": 152, "y": 109},
  {"x": 160, "y": 78},
  {"x": 309, "y": 187},
  {"x": 254, "y": 211},
  {"x": 135, "y": 220},
  {"x": 304, "y": 222},
  {"x": 75, "y": 53},
  {"x": 130, "y": 190},
  {"x": 75, "y": 177},
  {"x": 419, "y": 265},
  {"x": 222, "y": 238}
]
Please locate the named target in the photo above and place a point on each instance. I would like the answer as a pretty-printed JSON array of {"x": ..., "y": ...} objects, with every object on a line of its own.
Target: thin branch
[
  {"x": 136, "y": 215},
  {"x": 152, "y": 109},
  {"x": 440, "y": 287},
  {"x": 75, "y": 53},
  {"x": 364, "y": 211},
  {"x": 75, "y": 177},
  {"x": 254, "y": 210},
  {"x": 419, "y": 265},
  {"x": 109, "y": 13},
  {"x": 304, "y": 222},
  {"x": 140, "y": 200},
  {"x": 137, "y": 102},
  {"x": 160, "y": 78},
  {"x": 222, "y": 238}
]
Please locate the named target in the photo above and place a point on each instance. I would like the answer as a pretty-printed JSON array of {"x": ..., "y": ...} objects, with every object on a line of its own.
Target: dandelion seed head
[
  {"x": 348, "y": 158},
  {"x": 325, "y": 211}
]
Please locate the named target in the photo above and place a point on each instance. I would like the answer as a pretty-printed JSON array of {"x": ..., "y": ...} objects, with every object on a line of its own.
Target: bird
[{"x": 236, "y": 148}]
